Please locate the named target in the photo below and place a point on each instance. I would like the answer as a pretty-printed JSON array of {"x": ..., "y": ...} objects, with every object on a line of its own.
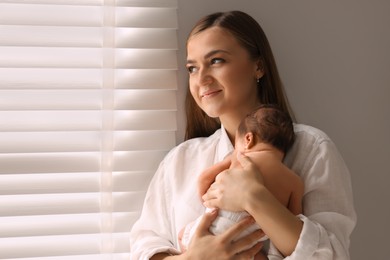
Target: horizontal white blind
[{"x": 87, "y": 112}]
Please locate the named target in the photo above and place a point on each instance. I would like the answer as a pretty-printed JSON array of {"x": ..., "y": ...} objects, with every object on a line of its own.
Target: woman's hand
[
  {"x": 207, "y": 177},
  {"x": 233, "y": 188},
  {"x": 205, "y": 245}
]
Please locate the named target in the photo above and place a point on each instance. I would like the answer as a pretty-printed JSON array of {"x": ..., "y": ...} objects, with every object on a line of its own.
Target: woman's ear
[
  {"x": 259, "y": 69},
  {"x": 249, "y": 140}
]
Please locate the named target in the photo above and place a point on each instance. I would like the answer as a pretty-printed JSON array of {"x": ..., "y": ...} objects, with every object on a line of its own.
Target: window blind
[{"x": 87, "y": 112}]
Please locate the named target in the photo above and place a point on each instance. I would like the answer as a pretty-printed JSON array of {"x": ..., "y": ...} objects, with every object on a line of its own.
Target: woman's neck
[
  {"x": 232, "y": 120},
  {"x": 230, "y": 128}
]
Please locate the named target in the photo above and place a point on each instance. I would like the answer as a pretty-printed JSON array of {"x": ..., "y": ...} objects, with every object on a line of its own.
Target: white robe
[{"x": 172, "y": 200}]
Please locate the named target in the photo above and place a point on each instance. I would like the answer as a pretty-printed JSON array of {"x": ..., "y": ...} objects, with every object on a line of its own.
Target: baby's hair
[{"x": 269, "y": 124}]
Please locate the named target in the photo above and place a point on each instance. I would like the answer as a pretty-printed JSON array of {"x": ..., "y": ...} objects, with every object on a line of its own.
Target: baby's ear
[{"x": 249, "y": 140}]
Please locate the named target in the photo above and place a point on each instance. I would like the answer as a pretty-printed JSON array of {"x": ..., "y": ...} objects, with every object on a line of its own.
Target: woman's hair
[
  {"x": 269, "y": 124},
  {"x": 251, "y": 37}
]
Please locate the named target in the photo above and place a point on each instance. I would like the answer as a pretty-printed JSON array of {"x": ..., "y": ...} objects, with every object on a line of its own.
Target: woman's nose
[{"x": 205, "y": 78}]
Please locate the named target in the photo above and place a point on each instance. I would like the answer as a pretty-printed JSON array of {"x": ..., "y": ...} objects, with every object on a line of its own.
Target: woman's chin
[{"x": 212, "y": 112}]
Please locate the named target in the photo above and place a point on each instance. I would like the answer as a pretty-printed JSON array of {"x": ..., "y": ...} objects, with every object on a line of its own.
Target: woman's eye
[
  {"x": 191, "y": 69},
  {"x": 217, "y": 60}
]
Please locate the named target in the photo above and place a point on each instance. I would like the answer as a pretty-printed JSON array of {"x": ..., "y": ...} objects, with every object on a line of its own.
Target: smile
[{"x": 210, "y": 93}]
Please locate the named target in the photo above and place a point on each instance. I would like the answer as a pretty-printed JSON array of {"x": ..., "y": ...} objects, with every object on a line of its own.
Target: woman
[{"x": 231, "y": 72}]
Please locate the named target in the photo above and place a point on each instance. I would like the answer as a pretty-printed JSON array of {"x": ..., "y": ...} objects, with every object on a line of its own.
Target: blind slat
[
  {"x": 128, "y": 201},
  {"x": 39, "y": 57},
  {"x": 86, "y": 141},
  {"x": 151, "y": 120},
  {"x": 134, "y": 17},
  {"x": 44, "y": 142},
  {"x": 145, "y": 100},
  {"x": 53, "y": 57},
  {"x": 56, "y": 36},
  {"x": 17, "y": 247},
  {"x": 50, "y": 78},
  {"x": 85, "y": 99},
  {"x": 50, "y": 99},
  {"x": 143, "y": 140},
  {"x": 131, "y": 180},
  {"x": 41, "y": 14},
  {"x": 60, "y": 78},
  {"x": 146, "y": 38},
  {"x": 46, "y": 204},
  {"x": 135, "y": 160},
  {"x": 146, "y": 3},
  {"x": 61, "y": 245},
  {"x": 50, "y": 225},
  {"x": 61, "y": 2},
  {"x": 85, "y": 120},
  {"x": 51, "y": 36},
  {"x": 110, "y": 256},
  {"x": 146, "y": 59},
  {"x": 63, "y": 224},
  {"x": 141, "y": 79},
  {"x": 49, "y": 183},
  {"x": 50, "y": 120},
  {"x": 50, "y": 162}
]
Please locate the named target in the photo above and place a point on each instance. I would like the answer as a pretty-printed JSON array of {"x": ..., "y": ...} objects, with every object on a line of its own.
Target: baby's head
[{"x": 270, "y": 125}]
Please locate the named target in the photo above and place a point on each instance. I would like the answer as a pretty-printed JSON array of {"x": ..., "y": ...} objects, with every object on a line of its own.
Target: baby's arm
[
  {"x": 295, "y": 203},
  {"x": 207, "y": 177}
]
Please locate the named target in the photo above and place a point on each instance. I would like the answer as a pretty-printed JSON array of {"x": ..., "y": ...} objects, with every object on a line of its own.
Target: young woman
[{"x": 231, "y": 72}]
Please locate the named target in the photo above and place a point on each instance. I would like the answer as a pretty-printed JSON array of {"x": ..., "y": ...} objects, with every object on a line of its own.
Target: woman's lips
[{"x": 210, "y": 93}]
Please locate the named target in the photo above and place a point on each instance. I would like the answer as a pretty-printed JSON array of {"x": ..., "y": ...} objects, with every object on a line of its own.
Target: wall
[{"x": 334, "y": 59}]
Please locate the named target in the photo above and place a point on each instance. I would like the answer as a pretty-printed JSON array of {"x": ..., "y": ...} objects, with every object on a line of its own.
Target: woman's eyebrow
[{"x": 208, "y": 55}]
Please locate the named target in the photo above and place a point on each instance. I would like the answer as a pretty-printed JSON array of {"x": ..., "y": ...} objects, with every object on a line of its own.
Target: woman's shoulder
[
  {"x": 310, "y": 143},
  {"x": 309, "y": 134},
  {"x": 196, "y": 145},
  {"x": 188, "y": 158}
]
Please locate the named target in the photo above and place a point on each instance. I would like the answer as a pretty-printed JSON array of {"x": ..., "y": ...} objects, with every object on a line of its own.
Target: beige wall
[{"x": 334, "y": 59}]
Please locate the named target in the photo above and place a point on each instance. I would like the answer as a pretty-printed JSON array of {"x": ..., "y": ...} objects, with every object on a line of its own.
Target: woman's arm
[
  {"x": 151, "y": 233},
  {"x": 282, "y": 227}
]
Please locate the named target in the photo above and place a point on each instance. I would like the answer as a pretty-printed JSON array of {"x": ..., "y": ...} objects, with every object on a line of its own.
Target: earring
[{"x": 258, "y": 82}]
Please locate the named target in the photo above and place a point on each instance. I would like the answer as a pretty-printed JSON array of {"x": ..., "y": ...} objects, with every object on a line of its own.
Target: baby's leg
[
  {"x": 186, "y": 233},
  {"x": 180, "y": 239}
]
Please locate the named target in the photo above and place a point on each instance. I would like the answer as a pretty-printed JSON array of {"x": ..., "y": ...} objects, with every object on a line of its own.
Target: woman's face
[{"x": 222, "y": 76}]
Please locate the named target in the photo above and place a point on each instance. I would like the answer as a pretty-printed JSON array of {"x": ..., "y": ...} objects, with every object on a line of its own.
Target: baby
[{"x": 264, "y": 136}]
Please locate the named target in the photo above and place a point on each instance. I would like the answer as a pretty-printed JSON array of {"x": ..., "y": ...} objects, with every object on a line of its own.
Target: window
[{"x": 87, "y": 112}]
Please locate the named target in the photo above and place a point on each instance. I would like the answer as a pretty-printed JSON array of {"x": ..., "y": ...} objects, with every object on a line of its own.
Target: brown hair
[
  {"x": 269, "y": 124},
  {"x": 251, "y": 36}
]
